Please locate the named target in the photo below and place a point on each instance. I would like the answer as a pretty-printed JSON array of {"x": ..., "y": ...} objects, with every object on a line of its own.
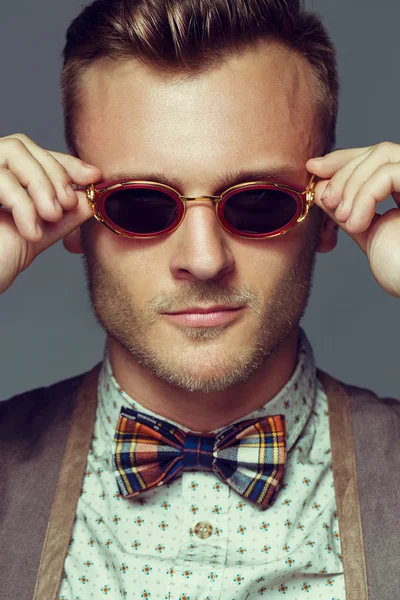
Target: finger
[
  {"x": 319, "y": 190},
  {"x": 332, "y": 195},
  {"x": 360, "y": 238},
  {"x": 16, "y": 157},
  {"x": 381, "y": 154},
  {"x": 326, "y": 166},
  {"x": 384, "y": 181},
  {"x": 62, "y": 170},
  {"x": 24, "y": 213},
  {"x": 80, "y": 172},
  {"x": 71, "y": 220},
  {"x": 28, "y": 172}
]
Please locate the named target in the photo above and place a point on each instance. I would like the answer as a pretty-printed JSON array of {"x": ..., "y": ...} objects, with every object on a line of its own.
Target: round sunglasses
[{"x": 146, "y": 209}]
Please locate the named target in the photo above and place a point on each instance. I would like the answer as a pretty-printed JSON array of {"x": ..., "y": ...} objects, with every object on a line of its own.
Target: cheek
[
  {"x": 269, "y": 261},
  {"x": 136, "y": 264}
]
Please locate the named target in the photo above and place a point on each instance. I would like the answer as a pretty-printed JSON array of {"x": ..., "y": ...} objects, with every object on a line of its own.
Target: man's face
[{"x": 254, "y": 112}]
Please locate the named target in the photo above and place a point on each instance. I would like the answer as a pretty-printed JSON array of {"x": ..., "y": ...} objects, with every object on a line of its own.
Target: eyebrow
[{"x": 227, "y": 180}]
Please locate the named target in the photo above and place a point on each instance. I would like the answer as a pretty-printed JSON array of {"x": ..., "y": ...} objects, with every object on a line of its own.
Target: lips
[
  {"x": 201, "y": 310},
  {"x": 211, "y": 316}
]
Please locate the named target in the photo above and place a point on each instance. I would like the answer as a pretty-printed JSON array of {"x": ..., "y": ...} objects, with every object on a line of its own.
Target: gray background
[{"x": 47, "y": 329}]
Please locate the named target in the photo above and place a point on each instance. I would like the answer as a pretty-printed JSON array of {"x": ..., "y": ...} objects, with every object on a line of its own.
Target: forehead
[{"x": 254, "y": 109}]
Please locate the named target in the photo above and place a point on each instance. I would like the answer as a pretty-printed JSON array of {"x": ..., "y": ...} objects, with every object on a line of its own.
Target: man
[{"x": 196, "y": 460}]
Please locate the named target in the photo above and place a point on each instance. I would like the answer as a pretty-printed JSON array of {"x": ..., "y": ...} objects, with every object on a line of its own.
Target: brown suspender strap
[
  {"x": 68, "y": 489},
  {"x": 346, "y": 489}
]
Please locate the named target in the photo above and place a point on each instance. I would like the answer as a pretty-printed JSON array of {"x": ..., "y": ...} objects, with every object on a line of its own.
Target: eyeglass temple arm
[{"x": 310, "y": 197}]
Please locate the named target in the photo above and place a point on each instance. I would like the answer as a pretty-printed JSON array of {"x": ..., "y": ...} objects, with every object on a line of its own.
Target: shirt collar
[{"x": 295, "y": 400}]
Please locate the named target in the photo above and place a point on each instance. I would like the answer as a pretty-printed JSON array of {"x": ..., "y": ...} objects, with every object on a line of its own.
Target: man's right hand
[{"x": 32, "y": 220}]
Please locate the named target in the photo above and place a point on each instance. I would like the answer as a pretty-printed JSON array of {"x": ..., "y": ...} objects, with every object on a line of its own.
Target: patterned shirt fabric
[{"x": 195, "y": 538}]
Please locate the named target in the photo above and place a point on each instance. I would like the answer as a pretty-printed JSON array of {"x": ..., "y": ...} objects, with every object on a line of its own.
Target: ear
[
  {"x": 328, "y": 234},
  {"x": 72, "y": 242}
]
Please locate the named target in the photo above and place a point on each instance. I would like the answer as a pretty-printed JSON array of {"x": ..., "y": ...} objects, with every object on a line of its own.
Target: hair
[{"x": 188, "y": 37}]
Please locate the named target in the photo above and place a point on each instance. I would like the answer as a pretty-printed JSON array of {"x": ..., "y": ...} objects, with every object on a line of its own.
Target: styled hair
[{"x": 188, "y": 37}]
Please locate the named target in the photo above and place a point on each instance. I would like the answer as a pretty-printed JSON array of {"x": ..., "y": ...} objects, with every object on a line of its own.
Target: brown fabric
[
  {"x": 34, "y": 428},
  {"x": 346, "y": 488},
  {"x": 63, "y": 511},
  {"x": 376, "y": 427}
]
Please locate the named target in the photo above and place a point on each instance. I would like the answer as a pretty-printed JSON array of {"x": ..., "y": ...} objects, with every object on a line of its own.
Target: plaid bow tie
[{"x": 250, "y": 455}]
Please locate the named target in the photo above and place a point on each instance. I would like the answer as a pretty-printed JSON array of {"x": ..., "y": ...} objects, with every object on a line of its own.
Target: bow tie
[{"x": 249, "y": 456}]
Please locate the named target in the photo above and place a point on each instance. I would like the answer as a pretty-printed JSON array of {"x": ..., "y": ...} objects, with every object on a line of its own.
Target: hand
[
  {"x": 353, "y": 182},
  {"x": 31, "y": 220}
]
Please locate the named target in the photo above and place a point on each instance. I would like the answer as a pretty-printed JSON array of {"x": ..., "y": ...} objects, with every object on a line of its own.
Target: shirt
[{"x": 196, "y": 538}]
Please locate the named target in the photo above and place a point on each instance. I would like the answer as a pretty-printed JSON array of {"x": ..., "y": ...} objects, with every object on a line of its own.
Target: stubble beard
[{"x": 115, "y": 309}]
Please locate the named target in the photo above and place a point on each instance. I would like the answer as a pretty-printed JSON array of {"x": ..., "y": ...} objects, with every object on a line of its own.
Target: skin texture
[{"x": 253, "y": 112}]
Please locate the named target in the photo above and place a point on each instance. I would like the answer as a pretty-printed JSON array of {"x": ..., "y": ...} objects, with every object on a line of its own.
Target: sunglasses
[{"x": 146, "y": 209}]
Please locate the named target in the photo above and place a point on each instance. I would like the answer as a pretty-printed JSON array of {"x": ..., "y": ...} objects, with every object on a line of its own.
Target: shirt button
[{"x": 203, "y": 529}]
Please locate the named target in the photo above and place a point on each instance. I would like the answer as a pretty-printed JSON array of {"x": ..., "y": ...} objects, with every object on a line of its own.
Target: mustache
[{"x": 202, "y": 293}]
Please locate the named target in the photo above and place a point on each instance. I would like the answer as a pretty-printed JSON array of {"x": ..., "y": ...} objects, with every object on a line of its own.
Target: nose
[{"x": 203, "y": 250}]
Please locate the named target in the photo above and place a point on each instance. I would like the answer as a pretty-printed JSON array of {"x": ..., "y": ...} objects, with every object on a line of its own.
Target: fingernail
[
  {"x": 57, "y": 204},
  {"x": 70, "y": 191},
  {"x": 340, "y": 205},
  {"x": 38, "y": 229},
  {"x": 88, "y": 166},
  {"x": 318, "y": 158}
]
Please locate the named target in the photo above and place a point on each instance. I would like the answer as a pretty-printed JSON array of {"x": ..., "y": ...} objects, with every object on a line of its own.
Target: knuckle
[
  {"x": 15, "y": 144},
  {"x": 385, "y": 146},
  {"x": 20, "y": 136}
]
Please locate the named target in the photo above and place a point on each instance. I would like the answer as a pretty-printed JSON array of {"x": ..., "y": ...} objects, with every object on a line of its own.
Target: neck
[{"x": 198, "y": 411}]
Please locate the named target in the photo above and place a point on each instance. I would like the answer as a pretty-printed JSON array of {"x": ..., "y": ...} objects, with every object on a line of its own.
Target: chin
[{"x": 204, "y": 370}]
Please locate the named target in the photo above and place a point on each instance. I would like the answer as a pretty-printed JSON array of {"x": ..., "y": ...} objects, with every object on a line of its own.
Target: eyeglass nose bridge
[{"x": 214, "y": 199}]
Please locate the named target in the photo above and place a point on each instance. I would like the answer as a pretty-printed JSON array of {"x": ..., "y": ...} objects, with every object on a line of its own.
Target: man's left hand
[{"x": 352, "y": 182}]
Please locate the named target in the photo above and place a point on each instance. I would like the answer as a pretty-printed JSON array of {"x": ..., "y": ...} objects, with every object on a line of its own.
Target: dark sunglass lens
[
  {"x": 260, "y": 210},
  {"x": 141, "y": 210}
]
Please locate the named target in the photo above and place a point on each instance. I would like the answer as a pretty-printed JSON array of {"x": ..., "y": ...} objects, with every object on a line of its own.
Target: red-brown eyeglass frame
[{"x": 97, "y": 194}]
